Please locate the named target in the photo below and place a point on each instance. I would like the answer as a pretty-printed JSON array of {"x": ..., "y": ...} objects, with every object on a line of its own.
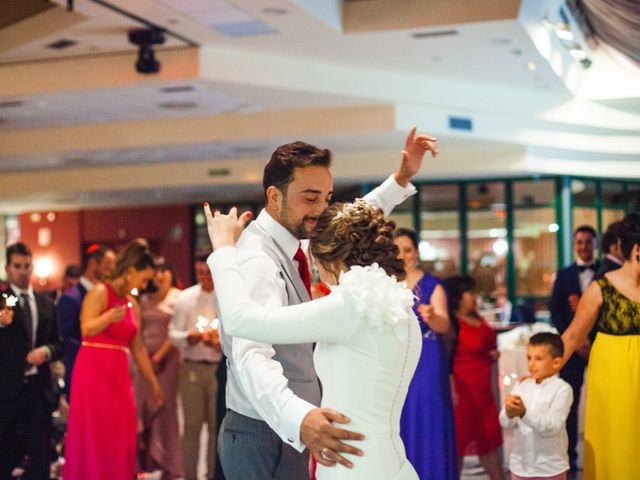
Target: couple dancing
[{"x": 368, "y": 339}]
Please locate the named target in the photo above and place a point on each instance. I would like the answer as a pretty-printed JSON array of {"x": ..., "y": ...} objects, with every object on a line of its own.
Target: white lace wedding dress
[{"x": 368, "y": 347}]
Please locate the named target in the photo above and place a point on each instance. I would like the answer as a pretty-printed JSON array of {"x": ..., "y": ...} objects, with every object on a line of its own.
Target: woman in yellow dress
[{"x": 612, "y": 430}]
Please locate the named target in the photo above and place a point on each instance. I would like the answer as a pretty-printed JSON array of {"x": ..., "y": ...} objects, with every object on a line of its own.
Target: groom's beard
[{"x": 300, "y": 230}]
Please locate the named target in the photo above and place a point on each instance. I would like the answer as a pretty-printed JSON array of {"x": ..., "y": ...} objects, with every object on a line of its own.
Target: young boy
[{"x": 537, "y": 409}]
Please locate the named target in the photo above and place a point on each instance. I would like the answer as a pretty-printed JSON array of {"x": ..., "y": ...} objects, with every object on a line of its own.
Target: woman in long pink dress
[
  {"x": 159, "y": 440},
  {"x": 101, "y": 435}
]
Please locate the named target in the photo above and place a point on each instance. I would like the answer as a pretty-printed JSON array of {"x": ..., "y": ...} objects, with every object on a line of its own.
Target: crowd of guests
[
  {"x": 123, "y": 308},
  {"x": 121, "y": 420}
]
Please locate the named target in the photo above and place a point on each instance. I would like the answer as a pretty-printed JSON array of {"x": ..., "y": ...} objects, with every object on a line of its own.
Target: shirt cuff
[
  {"x": 395, "y": 191},
  {"x": 291, "y": 421},
  {"x": 390, "y": 194}
]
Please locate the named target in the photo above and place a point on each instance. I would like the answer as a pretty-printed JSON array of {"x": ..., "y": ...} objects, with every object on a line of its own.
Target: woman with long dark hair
[{"x": 101, "y": 436}]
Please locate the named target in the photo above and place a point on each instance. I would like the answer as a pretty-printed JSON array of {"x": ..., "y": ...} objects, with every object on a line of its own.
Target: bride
[{"x": 368, "y": 342}]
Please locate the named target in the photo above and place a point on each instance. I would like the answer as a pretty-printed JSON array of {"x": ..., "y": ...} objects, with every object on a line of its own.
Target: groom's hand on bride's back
[{"x": 324, "y": 440}]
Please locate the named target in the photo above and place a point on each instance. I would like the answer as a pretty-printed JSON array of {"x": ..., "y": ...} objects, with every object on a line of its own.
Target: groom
[{"x": 273, "y": 390}]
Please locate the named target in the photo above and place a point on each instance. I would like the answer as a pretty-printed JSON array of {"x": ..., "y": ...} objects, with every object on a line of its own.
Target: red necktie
[{"x": 303, "y": 269}]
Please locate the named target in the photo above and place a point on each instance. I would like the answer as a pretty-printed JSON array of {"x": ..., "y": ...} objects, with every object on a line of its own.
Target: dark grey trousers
[{"x": 250, "y": 450}]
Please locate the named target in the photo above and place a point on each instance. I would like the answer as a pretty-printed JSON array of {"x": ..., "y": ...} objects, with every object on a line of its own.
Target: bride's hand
[{"x": 224, "y": 230}]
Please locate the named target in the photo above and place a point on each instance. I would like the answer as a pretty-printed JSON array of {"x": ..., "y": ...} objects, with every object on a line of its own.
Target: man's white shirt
[
  {"x": 539, "y": 448},
  {"x": 191, "y": 303},
  {"x": 256, "y": 386}
]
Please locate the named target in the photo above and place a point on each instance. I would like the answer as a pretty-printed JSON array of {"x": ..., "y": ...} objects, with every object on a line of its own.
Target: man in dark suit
[
  {"x": 97, "y": 263},
  {"x": 29, "y": 340},
  {"x": 610, "y": 244},
  {"x": 567, "y": 290},
  {"x": 69, "y": 280}
]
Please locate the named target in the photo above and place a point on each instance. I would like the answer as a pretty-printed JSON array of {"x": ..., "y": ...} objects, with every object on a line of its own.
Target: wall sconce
[{"x": 43, "y": 268}]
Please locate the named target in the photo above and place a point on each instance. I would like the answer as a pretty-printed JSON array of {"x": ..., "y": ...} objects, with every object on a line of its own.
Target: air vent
[
  {"x": 76, "y": 162},
  {"x": 62, "y": 43},
  {"x": 177, "y": 89},
  {"x": 11, "y": 104},
  {"x": 219, "y": 172},
  {"x": 248, "y": 150},
  {"x": 178, "y": 105},
  {"x": 440, "y": 33}
]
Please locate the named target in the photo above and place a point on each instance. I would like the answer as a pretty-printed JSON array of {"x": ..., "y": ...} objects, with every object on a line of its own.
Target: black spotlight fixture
[{"x": 146, "y": 39}]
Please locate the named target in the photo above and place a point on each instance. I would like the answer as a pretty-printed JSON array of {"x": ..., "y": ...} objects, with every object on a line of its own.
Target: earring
[{"x": 638, "y": 258}]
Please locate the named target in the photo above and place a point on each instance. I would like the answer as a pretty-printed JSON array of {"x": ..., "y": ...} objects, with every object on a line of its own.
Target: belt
[{"x": 110, "y": 346}]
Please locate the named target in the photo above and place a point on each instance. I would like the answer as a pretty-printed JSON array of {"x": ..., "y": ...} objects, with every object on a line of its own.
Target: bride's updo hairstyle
[{"x": 356, "y": 234}]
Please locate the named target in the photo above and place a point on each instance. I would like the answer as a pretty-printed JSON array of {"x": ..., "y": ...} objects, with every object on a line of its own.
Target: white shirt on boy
[{"x": 540, "y": 437}]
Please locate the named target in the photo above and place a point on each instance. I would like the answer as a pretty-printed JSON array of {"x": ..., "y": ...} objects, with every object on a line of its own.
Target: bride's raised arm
[{"x": 332, "y": 318}]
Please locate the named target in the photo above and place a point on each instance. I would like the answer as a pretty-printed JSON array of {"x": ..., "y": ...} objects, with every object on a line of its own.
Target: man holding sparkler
[{"x": 194, "y": 329}]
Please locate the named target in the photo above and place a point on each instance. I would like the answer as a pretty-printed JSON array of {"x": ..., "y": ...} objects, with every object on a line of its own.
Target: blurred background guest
[
  {"x": 69, "y": 280},
  {"x": 29, "y": 341},
  {"x": 568, "y": 287},
  {"x": 191, "y": 330},
  {"x": 610, "y": 245},
  {"x": 612, "y": 304},
  {"x": 97, "y": 264},
  {"x": 159, "y": 438},
  {"x": 478, "y": 430},
  {"x": 101, "y": 438},
  {"x": 426, "y": 425}
]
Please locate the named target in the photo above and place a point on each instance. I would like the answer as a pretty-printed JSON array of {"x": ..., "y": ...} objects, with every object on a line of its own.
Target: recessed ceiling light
[
  {"x": 439, "y": 33},
  {"x": 577, "y": 52},
  {"x": 177, "y": 105},
  {"x": 177, "y": 88},
  {"x": 531, "y": 66},
  {"x": 62, "y": 43},
  {"x": 11, "y": 104},
  {"x": 564, "y": 34}
]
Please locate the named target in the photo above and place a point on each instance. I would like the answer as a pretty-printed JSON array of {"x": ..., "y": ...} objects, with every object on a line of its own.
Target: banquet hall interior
[{"x": 118, "y": 119}]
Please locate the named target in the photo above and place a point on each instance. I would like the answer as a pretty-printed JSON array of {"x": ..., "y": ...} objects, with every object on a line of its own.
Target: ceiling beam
[
  {"x": 186, "y": 131},
  {"x": 95, "y": 71}
]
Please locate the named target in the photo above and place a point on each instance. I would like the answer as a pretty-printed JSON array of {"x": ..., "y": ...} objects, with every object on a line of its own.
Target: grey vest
[{"x": 296, "y": 360}]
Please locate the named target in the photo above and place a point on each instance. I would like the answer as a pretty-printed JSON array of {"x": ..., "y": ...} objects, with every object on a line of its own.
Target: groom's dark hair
[{"x": 279, "y": 171}]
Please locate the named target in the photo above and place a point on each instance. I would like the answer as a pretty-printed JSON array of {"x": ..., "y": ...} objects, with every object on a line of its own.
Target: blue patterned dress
[{"x": 427, "y": 426}]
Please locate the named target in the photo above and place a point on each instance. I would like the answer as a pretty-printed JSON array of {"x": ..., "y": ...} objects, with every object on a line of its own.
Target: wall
[
  {"x": 64, "y": 248},
  {"x": 167, "y": 228}
]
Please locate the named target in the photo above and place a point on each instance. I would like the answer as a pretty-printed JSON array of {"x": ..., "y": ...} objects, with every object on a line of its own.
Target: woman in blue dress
[{"x": 427, "y": 426}]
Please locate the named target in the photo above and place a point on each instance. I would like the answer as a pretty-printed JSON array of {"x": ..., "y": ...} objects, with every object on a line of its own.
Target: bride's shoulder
[{"x": 380, "y": 299}]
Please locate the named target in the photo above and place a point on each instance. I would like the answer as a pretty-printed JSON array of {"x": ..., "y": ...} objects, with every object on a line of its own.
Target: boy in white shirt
[{"x": 537, "y": 409}]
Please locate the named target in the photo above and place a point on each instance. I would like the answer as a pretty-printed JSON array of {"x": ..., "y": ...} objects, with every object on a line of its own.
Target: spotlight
[{"x": 146, "y": 39}]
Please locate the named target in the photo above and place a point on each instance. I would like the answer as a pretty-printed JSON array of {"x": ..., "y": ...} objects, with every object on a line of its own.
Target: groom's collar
[{"x": 287, "y": 242}]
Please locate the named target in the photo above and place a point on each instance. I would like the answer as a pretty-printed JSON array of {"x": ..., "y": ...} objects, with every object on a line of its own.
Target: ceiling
[{"x": 80, "y": 128}]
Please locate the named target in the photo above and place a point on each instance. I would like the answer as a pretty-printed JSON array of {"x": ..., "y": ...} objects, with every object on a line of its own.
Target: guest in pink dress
[
  {"x": 159, "y": 433},
  {"x": 101, "y": 435}
]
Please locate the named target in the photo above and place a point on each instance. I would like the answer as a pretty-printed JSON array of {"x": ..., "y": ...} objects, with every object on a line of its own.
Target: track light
[{"x": 146, "y": 39}]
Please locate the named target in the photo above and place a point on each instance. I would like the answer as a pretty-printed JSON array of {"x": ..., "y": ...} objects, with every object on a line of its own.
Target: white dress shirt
[
  {"x": 34, "y": 319},
  {"x": 587, "y": 275},
  {"x": 540, "y": 437},
  {"x": 256, "y": 386},
  {"x": 193, "y": 302},
  {"x": 86, "y": 283}
]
